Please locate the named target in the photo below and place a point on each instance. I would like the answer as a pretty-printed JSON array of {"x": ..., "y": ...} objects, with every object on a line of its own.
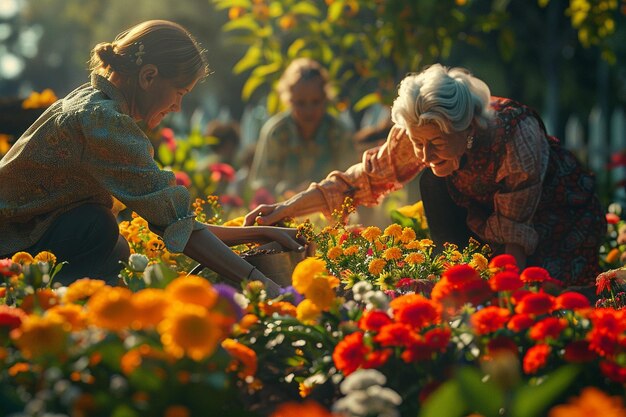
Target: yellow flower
[
  {"x": 455, "y": 256},
  {"x": 351, "y": 250},
  {"x": 415, "y": 258},
  {"x": 376, "y": 266},
  {"x": 304, "y": 389},
  {"x": 426, "y": 243},
  {"x": 408, "y": 235},
  {"x": 349, "y": 278},
  {"x": 371, "y": 233},
  {"x": 237, "y": 221},
  {"x": 244, "y": 358},
  {"x": 392, "y": 254},
  {"x": 414, "y": 245},
  {"x": 111, "y": 308},
  {"x": 41, "y": 335},
  {"x": 46, "y": 256},
  {"x": 38, "y": 100},
  {"x": 386, "y": 281},
  {"x": 394, "y": 230},
  {"x": 150, "y": 304},
  {"x": 22, "y": 258},
  {"x": 308, "y": 312},
  {"x": 154, "y": 247},
  {"x": 479, "y": 262},
  {"x": 334, "y": 252},
  {"x": 305, "y": 271},
  {"x": 73, "y": 314},
  {"x": 321, "y": 293},
  {"x": 190, "y": 330},
  {"x": 192, "y": 289},
  {"x": 82, "y": 289}
]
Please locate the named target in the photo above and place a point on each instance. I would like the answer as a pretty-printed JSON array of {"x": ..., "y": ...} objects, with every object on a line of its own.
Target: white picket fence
[{"x": 603, "y": 136}]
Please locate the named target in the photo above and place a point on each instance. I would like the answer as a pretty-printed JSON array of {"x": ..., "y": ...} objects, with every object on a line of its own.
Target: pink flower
[
  {"x": 222, "y": 172},
  {"x": 167, "y": 135},
  {"x": 182, "y": 179}
]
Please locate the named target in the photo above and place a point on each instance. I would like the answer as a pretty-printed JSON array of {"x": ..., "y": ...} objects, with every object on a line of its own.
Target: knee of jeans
[{"x": 104, "y": 227}]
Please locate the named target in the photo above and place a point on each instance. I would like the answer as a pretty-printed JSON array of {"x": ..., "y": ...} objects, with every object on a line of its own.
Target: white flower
[
  {"x": 360, "y": 289},
  {"x": 376, "y": 300},
  {"x": 362, "y": 379},
  {"x": 138, "y": 262}
]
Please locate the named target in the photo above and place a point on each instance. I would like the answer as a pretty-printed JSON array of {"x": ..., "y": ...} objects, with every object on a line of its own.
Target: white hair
[{"x": 450, "y": 97}]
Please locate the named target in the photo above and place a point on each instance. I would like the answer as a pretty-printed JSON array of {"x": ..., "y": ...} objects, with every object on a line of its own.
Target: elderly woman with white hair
[{"x": 489, "y": 170}]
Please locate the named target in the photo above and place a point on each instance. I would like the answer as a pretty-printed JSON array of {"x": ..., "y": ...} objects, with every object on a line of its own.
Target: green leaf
[
  {"x": 484, "y": 398},
  {"x": 251, "y": 58},
  {"x": 276, "y": 9},
  {"x": 251, "y": 86},
  {"x": 227, "y": 4},
  {"x": 367, "y": 101},
  {"x": 124, "y": 410},
  {"x": 531, "y": 401},
  {"x": 244, "y": 22},
  {"x": 263, "y": 71},
  {"x": 305, "y": 8},
  {"x": 296, "y": 46},
  {"x": 447, "y": 401}
]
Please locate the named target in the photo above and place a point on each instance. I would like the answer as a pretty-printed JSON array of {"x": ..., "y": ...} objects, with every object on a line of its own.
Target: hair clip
[{"x": 140, "y": 52}]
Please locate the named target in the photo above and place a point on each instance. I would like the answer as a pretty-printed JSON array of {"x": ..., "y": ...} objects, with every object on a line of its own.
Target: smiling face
[
  {"x": 308, "y": 103},
  {"x": 440, "y": 151},
  {"x": 158, "y": 97}
]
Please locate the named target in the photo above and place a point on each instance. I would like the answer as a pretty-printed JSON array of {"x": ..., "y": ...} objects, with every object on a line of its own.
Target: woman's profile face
[
  {"x": 308, "y": 103},
  {"x": 163, "y": 96},
  {"x": 440, "y": 151}
]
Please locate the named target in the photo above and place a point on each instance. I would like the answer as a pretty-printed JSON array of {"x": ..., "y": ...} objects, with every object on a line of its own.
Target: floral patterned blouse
[
  {"x": 86, "y": 148},
  {"x": 284, "y": 160},
  {"x": 517, "y": 183}
]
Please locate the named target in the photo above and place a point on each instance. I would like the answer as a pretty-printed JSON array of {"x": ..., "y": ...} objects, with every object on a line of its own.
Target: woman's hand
[
  {"x": 301, "y": 204},
  {"x": 286, "y": 237},
  {"x": 267, "y": 214}
]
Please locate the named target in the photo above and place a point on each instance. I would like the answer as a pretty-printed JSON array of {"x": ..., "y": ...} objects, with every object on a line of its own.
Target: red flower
[
  {"x": 536, "y": 358},
  {"x": 505, "y": 281},
  {"x": 231, "y": 200},
  {"x": 377, "y": 358},
  {"x": 603, "y": 281},
  {"x": 438, "y": 338},
  {"x": 520, "y": 322},
  {"x": 373, "y": 320},
  {"x": 489, "y": 319},
  {"x": 550, "y": 327},
  {"x": 458, "y": 274},
  {"x": 416, "y": 310},
  {"x": 613, "y": 371},
  {"x": 261, "y": 196},
  {"x": 418, "y": 351},
  {"x": 11, "y": 317},
  {"x": 397, "y": 334},
  {"x": 504, "y": 262},
  {"x": 182, "y": 178},
  {"x": 222, "y": 171},
  {"x": 612, "y": 218},
  {"x": 500, "y": 344},
  {"x": 8, "y": 268},
  {"x": 578, "y": 352},
  {"x": 536, "y": 303},
  {"x": 517, "y": 296},
  {"x": 349, "y": 354},
  {"x": 608, "y": 328},
  {"x": 572, "y": 301},
  {"x": 169, "y": 138},
  {"x": 535, "y": 274}
]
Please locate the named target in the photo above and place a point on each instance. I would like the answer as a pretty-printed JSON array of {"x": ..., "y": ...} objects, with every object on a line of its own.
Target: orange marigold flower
[
  {"x": 394, "y": 230},
  {"x": 548, "y": 328},
  {"x": 397, "y": 334},
  {"x": 376, "y": 266},
  {"x": 520, "y": 322},
  {"x": 11, "y": 317},
  {"x": 334, "y": 252},
  {"x": 41, "y": 335},
  {"x": 489, "y": 319},
  {"x": 306, "y": 409},
  {"x": 305, "y": 271},
  {"x": 282, "y": 308},
  {"x": 408, "y": 235},
  {"x": 591, "y": 403},
  {"x": 479, "y": 262},
  {"x": 351, "y": 250},
  {"x": 371, "y": 233},
  {"x": 45, "y": 256},
  {"x": 82, "y": 289},
  {"x": 458, "y": 274},
  {"x": 613, "y": 255},
  {"x": 192, "y": 289},
  {"x": 578, "y": 351},
  {"x": 176, "y": 411},
  {"x": 536, "y": 303},
  {"x": 19, "y": 368},
  {"x": 191, "y": 330},
  {"x": 535, "y": 274},
  {"x": 248, "y": 321},
  {"x": 536, "y": 358},
  {"x": 392, "y": 254},
  {"x": 349, "y": 354},
  {"x": 373, "y": 320},
  {"x": 505, "y": 281},
  {"x": 22, "y": 258},
  {"x": 111, "y": 309},
  {"x": 150, "y": 305},
  {"x": 244, "y": 357},
  {"x": 320, "y": 292},
  {"x": 42, "y": 298},
  {"x": 73, "y": 314},
  {"x": 572, "y": 301},
  {"x": 414, "y": 258}
]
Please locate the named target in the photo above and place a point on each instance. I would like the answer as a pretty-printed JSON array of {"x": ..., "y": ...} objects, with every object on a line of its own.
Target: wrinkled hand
[
  {"x": 397, "y": 132},
  {"x": 266, "y": 214}
]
